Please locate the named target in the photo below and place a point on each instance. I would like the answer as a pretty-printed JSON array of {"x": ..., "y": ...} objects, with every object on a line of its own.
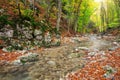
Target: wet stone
[
  {"x": 92, "y": 53},
  {"x": 37, "y": 32},
  {"x": 30, "y": 57},
  {"x": 39, "y": 37},
  {"x": 111, "y": 49},
  {"x": 83, "y": 48},
  {"x": 53, "y": 63},
  {"x": 74, "y": 55}
]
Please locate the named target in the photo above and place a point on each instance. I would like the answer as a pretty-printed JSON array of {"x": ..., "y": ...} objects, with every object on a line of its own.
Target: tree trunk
[
  {"x": 47, "y": 15},
  {"x": 58, "y": 15},
  {"x": 19, "y": 10},
  {"x": 75, "y": 20},
  {"x": 103, "y": 17},
  {"x": 17, "y": 1},
  {"x": 37, "y": 6},
  {"x": 117, "y": 3}
]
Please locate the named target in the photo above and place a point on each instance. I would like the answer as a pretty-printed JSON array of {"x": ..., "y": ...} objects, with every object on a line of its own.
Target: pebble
[
  {"x": 83, "y": 48},
  {"x": 91, "y": 53},
  {"x": 53, "y": 63},
  {"x": 111, "y": 49},
  {"x": 17, "y": 62}
]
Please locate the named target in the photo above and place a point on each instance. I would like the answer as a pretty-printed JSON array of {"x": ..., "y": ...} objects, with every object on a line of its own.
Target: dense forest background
[
  {"x": 36, "y": 21},
  {"x": 76, "y": 15}
]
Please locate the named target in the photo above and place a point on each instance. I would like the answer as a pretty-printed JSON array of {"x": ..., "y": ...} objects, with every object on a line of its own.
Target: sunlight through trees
[
  {"x": 98, "y": 0},
  {"x": 76, "y": 15}
]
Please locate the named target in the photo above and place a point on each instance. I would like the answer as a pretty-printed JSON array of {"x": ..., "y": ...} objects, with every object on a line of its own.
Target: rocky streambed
[{"x": 56, "y": 62}]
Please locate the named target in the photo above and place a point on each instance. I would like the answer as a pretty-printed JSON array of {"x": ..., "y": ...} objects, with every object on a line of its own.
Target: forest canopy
[{"x": 76, "y": 15}]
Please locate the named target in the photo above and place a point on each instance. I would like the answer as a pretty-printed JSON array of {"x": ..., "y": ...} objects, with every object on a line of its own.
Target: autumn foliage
[
  {"x": 8, "y": 56},
  {"x": 94, "y": 70}
]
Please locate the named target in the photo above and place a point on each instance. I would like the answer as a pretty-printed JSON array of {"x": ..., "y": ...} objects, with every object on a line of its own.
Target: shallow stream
[{"x": 54, "y": 63}]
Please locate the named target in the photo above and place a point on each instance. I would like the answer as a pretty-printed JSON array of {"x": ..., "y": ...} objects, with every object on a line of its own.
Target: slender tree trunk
[
  {"x": 68, "y": 22},
  {"x": 34, "y": 6},
  {"x": 58, "y": 15},
  {"x": 47, "y": 15},
  {"x": 25, "y": 3},
  {"x": 37, "y": 6},
  {"x": 103, "y": 17},
  {"x": 17, "y": 1},
  {"x": 75, "y": 20},
  {"x": 117, "y": 3},
  {"x": 19, "y": 10}
]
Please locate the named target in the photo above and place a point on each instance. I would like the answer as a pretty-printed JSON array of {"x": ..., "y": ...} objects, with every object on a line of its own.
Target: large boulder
[{"x": 38, "y": 34}]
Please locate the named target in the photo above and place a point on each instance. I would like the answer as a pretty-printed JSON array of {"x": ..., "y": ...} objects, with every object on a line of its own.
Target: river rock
[
  {"x": 28, "y": 34},
  {"x": 83, "y": 48},
  {"x": 17, "y": 62},
  {"x": 111, "y": 49},
  {"x": 74, "y": 55},
  {"x": 39, "y": 37},
  {"x": 109, "y": 71},
  {"x": 48, "y": 37},
  {"x": 53, "y": 63},
  {"x": 9, "y": 33},
  {"x": 115, "y": 43},
  {"x": 91, "y": 53},
  {"x": 2, "y": 10},
  {"x": 2, "y": 34},
  {"x": 30, "y": 57},
  {"x": 37, "y": 32}
]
